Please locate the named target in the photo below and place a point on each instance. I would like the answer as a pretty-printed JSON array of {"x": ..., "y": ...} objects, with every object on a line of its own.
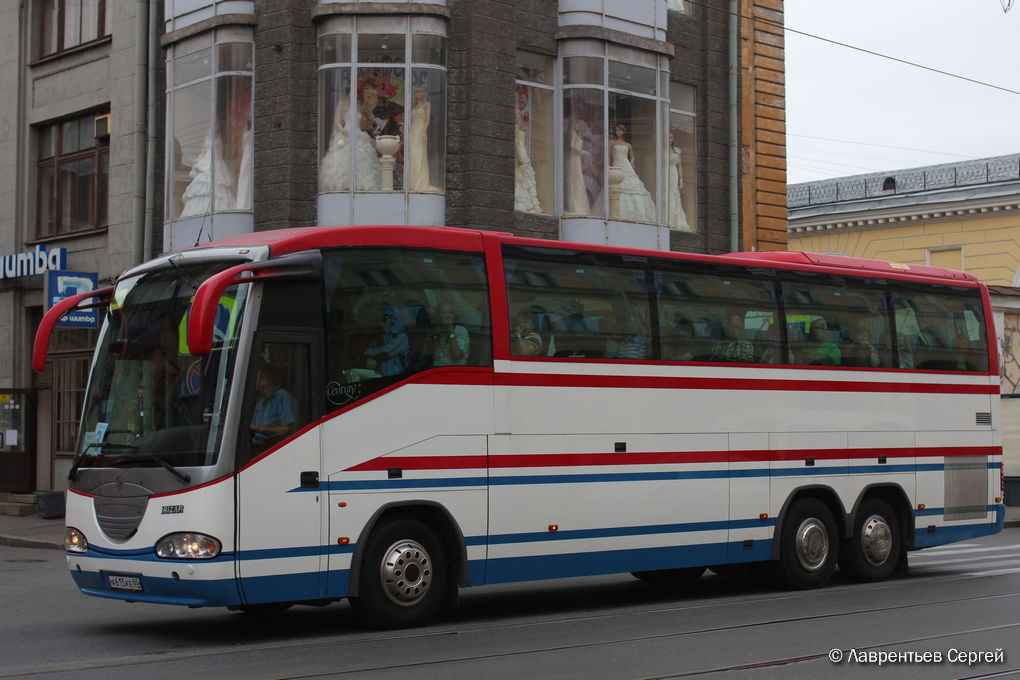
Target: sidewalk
[{"x": 35, "y": 532}]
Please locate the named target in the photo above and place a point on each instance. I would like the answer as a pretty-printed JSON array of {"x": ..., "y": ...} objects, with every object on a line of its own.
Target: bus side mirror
[
  {"x": 305, "y": 266},
  {"x": 49, "y": 321}
]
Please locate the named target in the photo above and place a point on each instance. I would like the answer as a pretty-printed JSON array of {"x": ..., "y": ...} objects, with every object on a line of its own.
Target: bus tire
[
  {"x": 808, "y": 545},
  {"x": 404, "y": 575},
  {"x": 673, "y": 578},
  {"x": 872, "y": 552}
]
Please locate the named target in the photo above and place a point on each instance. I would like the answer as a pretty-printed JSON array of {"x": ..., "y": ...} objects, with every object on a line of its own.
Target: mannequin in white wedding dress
[
  {"x": 576, "y": 194},
  {"x": 525, "y": 184},
  {"x": 421, "y": 114},
  {"x": 677, "y": 216},
  {"x": 334, "y": 169},
  {"x": 245, "y": 169},
  {"x": 635, "y": 202},
  {"x": 209, "y": 177}
]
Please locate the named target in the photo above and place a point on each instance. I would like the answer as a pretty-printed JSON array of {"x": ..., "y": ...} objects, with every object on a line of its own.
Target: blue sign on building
[{"x": 60, "y": 285}]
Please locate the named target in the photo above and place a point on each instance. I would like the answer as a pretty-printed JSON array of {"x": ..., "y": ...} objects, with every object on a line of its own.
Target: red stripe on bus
[
  {"x": 733, "y": 384},
  {"x": 548, "y": 460}
]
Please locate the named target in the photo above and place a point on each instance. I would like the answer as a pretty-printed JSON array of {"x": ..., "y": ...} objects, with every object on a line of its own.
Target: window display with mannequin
[
  {"x": 525, "y": 185},
  {"x": 635, "y": 202},
  {"x": 675, "y": 182},
  {"x": 335, "y": 167}
]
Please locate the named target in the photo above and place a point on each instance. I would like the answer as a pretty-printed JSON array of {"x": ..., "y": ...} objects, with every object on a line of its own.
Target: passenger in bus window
[
  {"x": 449, "y": 342},
  {"x": 680, "y": 345},
  {"x": 632, "y": 342},
  {"x": 820, "y": 349},
  {"x": 524, "y": 339},
  {"x": 276, "y": 409},
  {"x": 861, "y": 351},
  {"x": 735, "y": 346},
  {"x": 389, "y": 353}
]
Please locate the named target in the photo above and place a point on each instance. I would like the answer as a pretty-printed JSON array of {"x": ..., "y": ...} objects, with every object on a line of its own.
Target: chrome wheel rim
[
  {"x": 406, "y": 573},
  {"x": 876, "y": 540},
  {"x": 812, "y": 544}
]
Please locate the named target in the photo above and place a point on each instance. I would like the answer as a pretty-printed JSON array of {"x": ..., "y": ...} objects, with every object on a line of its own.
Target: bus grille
[
  {"x": 119, "y": 517},
  {"x": 966, "y": 487}
]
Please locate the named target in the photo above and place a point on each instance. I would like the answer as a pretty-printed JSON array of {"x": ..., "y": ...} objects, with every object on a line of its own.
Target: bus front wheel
[
  {"x": 872, "y": 552},
  {"x": 808, "y": 545},
  {"x": 404, "y": 575}
]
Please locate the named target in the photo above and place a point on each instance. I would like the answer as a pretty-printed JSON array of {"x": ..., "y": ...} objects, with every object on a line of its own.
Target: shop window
[
  {"x": 534, "y": 137},
  {"x": 612, "y": 133},
  {"x": 210, "y": 147},
  {"x": 65, "y": 24},
  {"x": 73, "y": 177},
  {"x": 681, "y": 162},
  {"x": 383, "y": 93}
]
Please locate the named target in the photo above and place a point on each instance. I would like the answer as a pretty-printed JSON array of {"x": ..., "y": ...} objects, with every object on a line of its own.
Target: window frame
[
  {"x": 47, "y": 8},
  {"x": 98, "y": 200}
]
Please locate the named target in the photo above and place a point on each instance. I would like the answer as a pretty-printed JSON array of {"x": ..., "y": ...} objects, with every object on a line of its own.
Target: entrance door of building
[{"x": 17, "y": 455}]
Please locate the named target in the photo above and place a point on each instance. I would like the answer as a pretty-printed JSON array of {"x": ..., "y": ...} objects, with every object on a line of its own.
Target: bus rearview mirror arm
[
  {"x": 42, "y": 335},
  {"x": 305, "y": 266}
]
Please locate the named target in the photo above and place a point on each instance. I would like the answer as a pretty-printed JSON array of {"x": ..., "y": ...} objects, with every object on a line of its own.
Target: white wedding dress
[
  {"x": 677, "y": 216},
  {"x": 525, "y": 184},
  {"x": 635, "y": 202},
  {"x": 198, "y": 196},
  {"x": 335, "y": 165},
  {"x": 576, "y": 192}
]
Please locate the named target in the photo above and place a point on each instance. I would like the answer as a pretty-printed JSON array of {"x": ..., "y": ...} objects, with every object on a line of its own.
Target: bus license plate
[{"x": 121, "y": 582}]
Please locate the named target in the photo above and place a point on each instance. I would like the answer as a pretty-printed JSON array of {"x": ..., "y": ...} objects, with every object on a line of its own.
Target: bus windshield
[{"x": 150, "y": 403}]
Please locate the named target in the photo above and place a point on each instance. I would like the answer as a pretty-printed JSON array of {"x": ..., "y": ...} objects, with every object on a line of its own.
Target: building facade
[{"x": 645, "y": 123}]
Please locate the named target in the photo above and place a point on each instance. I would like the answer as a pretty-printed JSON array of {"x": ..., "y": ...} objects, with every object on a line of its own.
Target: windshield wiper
[
  {"x": 73, "y": 472},
  {"x": 184, "y": 477}
]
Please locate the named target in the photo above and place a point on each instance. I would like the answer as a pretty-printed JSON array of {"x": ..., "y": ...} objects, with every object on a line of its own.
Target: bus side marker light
[
  {"x": 763, "y": 515},
  {"x": 998, "y": 500},
  {"x": 341, "y": 504},
  {"x": 920, "y": 506},
  {"x": 554, "y": 527},
  {"x": 343, "y": 540}
]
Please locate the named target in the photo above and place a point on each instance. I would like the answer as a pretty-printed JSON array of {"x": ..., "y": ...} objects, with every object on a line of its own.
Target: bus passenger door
[{"x": 279, "y": 505}]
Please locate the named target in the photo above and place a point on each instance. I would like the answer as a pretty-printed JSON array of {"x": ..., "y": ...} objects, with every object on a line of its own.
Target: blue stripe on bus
[
  {"x": 950, "y": 534},
  {"x": 617, "y": 532},
  {"x": 518, "y": 480}
]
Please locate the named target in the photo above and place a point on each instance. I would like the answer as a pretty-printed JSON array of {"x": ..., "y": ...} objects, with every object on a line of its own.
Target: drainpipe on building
[
  {"x": 150, "y": 144},
  {"x": 734, "y": 83},
  {"x": 141, "y": 92}
]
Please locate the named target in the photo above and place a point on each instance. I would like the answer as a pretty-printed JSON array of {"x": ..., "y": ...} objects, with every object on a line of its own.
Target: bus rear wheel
[
  {"x": 808, "y": 545},
  {"x": 872, "y": 552},
  {"x": 404, "y": 576}
]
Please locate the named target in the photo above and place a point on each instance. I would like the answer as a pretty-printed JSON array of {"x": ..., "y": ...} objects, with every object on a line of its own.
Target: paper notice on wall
[{"x": 10, "y": 438}]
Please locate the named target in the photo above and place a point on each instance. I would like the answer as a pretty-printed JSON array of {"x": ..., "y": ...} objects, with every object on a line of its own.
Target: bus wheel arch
[
  {"x": 807, "y": 539},
  {"x": 434, "y": 516}
]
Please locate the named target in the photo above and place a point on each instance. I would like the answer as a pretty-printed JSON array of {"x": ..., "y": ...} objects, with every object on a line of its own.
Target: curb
[{"x": 18, "y": 542}]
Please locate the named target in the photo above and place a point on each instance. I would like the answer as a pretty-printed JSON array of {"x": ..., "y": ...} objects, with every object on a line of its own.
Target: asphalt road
[{"x": 959, "y": 599}]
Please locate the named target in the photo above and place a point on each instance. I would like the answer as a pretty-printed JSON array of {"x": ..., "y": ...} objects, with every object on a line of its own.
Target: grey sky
[{"x": 841, "y": 94}]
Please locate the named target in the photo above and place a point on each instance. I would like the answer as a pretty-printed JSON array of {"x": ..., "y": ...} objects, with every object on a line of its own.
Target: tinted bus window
[
  {"x": 717, "y": 317},
  {"x": 940, "y": 330},
  {"x": 393, "y": 312},
  {"x": 837, "y": 325},
  {"x": 577, "y": 305}
]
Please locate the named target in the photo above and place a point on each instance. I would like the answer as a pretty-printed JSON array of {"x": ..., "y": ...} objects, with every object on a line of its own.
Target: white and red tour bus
[{"x": 389, "y": 414}]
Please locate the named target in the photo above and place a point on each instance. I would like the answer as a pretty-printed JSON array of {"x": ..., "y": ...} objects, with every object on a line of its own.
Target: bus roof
[{"x": 283, "y": 241}]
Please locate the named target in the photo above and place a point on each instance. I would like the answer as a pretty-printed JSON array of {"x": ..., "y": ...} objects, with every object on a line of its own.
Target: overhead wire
[{"x": 859, "y": 49}]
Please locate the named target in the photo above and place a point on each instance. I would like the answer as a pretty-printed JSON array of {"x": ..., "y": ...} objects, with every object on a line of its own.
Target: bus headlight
[
  {"x": 74, "y": 541},
  {"x": 187, "y": 546}
]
